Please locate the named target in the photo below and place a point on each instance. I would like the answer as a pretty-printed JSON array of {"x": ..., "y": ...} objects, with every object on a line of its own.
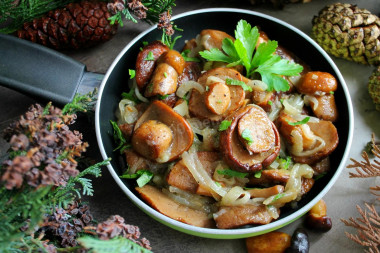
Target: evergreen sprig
[
  {"x": 81, "y": 103},
  {"x": 16, "y": 13},
  {"x": 155, "y": 8}
]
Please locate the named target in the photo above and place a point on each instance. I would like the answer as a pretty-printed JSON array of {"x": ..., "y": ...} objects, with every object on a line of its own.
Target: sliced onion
[
  {"x": 140, "y": 97},
  {"x": 187, "y": 86},
  {"x": 182, "y": 109},
  {"x": 128, "y": 111},
  {"x": 293, "y": 105},
  {"x": 257, "y": 85},
  {"x": 311, "y": 100},
  {"x": 192, "y": 162}
]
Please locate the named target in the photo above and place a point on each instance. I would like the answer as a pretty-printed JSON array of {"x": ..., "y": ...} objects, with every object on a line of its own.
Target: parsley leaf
[
  {"x": 150, "y": 56},
  {"x": 277, "y": 197},
  {"x": 245, "y": 87},
  {"x": 130, "y": 95},
  {"x": 132, "y": 73},
  {"x": 246, "y": 135},
  {"x": 163, "y": 97},
  {"x": 224, "y": 125},
  {"x": 285, "y": 163},
  {"x": 257, "y": 174},
  {"x": 304, "y": 121},
  {"x": 232, "y": 173},
  {"x": 261, "y": 60}
]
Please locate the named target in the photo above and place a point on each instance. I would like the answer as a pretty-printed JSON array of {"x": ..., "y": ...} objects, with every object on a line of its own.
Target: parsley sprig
[{"x": 262, "y": 60}]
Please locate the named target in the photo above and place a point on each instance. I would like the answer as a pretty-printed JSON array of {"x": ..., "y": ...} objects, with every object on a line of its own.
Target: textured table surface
[{"x": 341, "y": 199}]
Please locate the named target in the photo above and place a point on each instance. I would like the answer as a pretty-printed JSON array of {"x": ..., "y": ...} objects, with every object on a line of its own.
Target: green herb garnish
[
  {"x": 232, "y": 173},
  {"x": 331, "y": 92},
  {"x": 165, "y": 75},
  {"x": 304, "y": 121},
  {"x": 185, "y": 56},
  {"x": 164, "y": 96},
  {"x": 143, "y": 176},
  {"x": 285, "y": 163},
  {"x": 270, "y": 102},
  {"x": 245, "y": 87},
  {"x": 262, "y": 60},
  {"x": 130, "y": 95},
  {"x": 207, "y": 88},
  {"x": 150, "y": 56},
  {"x": 132, "y": 73},
  {"x": 218, "y": 184},
  {"x": 145, "y": 43},
  {"x": 257, "y": 174},
  {"x": 224, "y": 125},
  {"x": 119, "y": 138},
  {"x": 167, "y": 39},
  {"x": 246, "y": 135}
]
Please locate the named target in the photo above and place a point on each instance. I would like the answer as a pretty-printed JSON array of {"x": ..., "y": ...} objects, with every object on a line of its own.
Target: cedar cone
[{"x": 77, "y": 25}]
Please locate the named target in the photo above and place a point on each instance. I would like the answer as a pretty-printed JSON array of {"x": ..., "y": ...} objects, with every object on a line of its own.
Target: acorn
[{"x": 348, "y": 32}]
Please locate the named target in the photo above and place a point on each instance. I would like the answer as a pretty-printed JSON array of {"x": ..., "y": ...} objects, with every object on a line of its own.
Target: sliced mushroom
[
  {"x": 318, "y": 139},
  {"x": 180, "y": 176},
  {"x": 152, "y": 139},
  {"x": 266, "y": 192},
  {"x": 174, "y": 59},
  {"x": 236, "y": 216},
  {"x": 326, "y": 108},
  {"x": 270, "y": 177},
  {"x": 165, "y": 205},
  {"x": 163, "y": 82},
  {"x": 182, "y": 134},
  {"x": 144, "y": 67},
  {"x": 317, "y": 83},
  {"x": 213, "y": 38},
  {"x": 218, "y": 98},
  {"x": 191, "y": 72},
  {"x": 197, "y": 105},
  {"x": 234, "y": 151}
]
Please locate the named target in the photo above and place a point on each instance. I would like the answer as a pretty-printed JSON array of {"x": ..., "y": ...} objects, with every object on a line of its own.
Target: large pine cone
[
  {"x": 77, "y": 25},
  {"x": 374, "y": 87},
  {"x": 348, "y": 32}
]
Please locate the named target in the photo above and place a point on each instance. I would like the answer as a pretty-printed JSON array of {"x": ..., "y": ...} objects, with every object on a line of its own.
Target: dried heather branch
[{"x": 368, "y": 228}]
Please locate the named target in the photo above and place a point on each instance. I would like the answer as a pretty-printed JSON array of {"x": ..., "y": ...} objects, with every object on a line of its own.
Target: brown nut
[
  {"x": 152, "y": 139},
  {"x": 174, "y": 59},
  {"x": 300, "y": 242},
  {"x": 218, "y": 98},
  {"x": 273, "y": 242},
  {"x": 213, "y": 38},
  {"x": 326, "y": 108},
  {"x": 316, "y": 82},
  {"x": 316, "y": 218}
]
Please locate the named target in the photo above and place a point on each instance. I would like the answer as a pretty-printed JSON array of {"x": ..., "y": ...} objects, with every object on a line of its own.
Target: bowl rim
[{"x": 238, "y": 232}]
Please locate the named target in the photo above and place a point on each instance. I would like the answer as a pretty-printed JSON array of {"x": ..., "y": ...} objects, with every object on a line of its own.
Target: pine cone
[
  {"x": 77, "y": 25},
  {"x": 346, "y": 31},
  {"x": 374, "y": 87}
]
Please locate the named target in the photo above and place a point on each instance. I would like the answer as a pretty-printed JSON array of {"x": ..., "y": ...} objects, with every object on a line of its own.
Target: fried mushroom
[
  {"x": 161, "y": 134},
  {"x": 250, "y": 154}
]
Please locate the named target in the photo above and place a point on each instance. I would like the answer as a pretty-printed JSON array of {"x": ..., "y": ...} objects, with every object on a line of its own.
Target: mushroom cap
[
  {"x": 234, "y": 151},
  {"x": 182, "y": 133},
  {"x": 197, "y": 106}
]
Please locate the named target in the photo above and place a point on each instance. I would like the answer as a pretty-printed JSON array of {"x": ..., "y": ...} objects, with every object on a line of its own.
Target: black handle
[{"x": 38, "y": 71}]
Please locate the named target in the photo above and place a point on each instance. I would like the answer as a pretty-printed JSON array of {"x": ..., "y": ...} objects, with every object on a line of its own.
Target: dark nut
[
  {"x": 273, "y": 242},
  {"x": 316, "y": 218},
  {"x": 299, "y": 243},
  {"x": 218, "y": 98},
  {"x": 315, "y": 82},
  {"x": 174, "y": 59}
]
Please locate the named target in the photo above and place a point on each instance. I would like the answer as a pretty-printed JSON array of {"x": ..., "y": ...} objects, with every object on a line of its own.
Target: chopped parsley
[
  {"x": 270, "y": 102},
  {"x": 247, "y": 136},
  {"x": 150, "y": 56},
  {"x": 224, "y": 125},
  {"x": 245, "y": 87},
  {"x": 257, "y": 174},
  {"x": 143, "y": 177},
  {"x": 262, "y": 60},
  {"x": 145, "y": 43},
  {"x": 132, "y": 73},
  {"x": 218, "y": 184},
  {"x": 232, "y": 173},
  {"x": 165, "y": 75},
  {"x": 207, "y": 88},
  {"x": 164, "y": 97},
  {"x": 331, "y": 92},
  {"x": 285, "y": 163},
  {"x": 304, "y": 121},
  {"x": 319, "y": 176},
  {"x": 277, "y": 197}
]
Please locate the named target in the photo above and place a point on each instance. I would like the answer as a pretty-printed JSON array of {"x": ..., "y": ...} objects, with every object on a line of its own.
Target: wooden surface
[{"x": 341, "y": 199}]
